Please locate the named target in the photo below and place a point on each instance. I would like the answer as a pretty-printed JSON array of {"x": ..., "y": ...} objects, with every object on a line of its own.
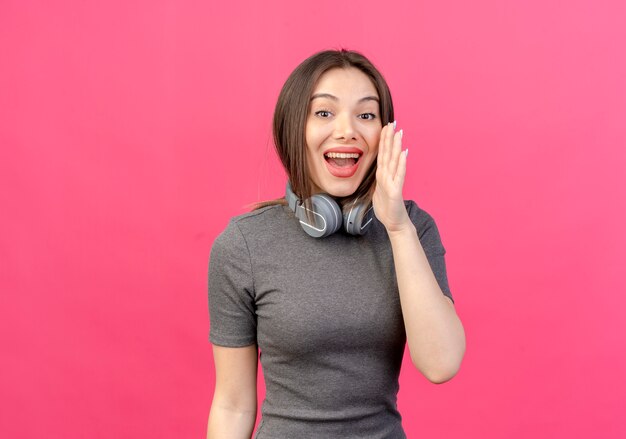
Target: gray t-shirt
[{"x": 325, "y": 314}]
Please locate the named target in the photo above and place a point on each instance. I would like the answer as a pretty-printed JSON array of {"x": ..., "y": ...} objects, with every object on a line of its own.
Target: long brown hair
[{"x": 292, "y": 111}]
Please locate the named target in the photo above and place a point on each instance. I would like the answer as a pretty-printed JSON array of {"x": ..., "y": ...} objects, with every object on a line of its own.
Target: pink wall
[{"x": 131, "y": 131}]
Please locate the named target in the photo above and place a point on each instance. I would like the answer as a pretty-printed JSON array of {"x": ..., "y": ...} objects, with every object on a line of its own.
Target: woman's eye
[
  {"x": 323, "y": 113},
  {"x": 368, "y": 116}
]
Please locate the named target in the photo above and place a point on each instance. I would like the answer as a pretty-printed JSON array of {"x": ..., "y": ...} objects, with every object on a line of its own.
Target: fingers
[
  {"x": 391, "y": 160},
  {"x": 389, "y": 134},
  {"x": 396, "y": 152},
  {"x": 382, "y": 147},
  {"x": 402, "y": 167}
]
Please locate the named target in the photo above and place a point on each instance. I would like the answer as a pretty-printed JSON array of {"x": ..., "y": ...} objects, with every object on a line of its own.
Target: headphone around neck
[{"x": 327, "y": 215}]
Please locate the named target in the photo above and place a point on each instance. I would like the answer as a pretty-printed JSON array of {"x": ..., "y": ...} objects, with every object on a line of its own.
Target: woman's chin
[{"x": 342, "y": 189}]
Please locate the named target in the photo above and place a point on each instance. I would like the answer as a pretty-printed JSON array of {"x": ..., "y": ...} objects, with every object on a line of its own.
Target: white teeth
[{"x": 342, "y": 155}]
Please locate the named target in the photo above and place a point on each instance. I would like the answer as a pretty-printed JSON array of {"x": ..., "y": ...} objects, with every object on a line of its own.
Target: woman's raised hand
[{"x": 391, "y": 169}]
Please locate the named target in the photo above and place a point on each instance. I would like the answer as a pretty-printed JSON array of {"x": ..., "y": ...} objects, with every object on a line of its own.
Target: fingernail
[
  {"x": 394, "y": 124},
  {"x": 406, "y": 152},
  {"x": 401, "y": 131}
]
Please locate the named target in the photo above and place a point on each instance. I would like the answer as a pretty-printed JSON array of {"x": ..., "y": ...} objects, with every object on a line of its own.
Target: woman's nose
[{"x": 344, "y": 127}]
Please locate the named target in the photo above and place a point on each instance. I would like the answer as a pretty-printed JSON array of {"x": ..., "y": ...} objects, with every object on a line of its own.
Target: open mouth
[{"x": 342, "y": 159}]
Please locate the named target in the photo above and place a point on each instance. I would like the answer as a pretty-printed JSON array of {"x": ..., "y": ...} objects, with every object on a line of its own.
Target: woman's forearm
[
  {"x": 230, "y": 423},
  {"x": 435, "y": 334}
]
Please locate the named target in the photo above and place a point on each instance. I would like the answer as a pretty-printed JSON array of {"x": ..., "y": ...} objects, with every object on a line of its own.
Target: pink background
[{"x": 131, "y": 131}]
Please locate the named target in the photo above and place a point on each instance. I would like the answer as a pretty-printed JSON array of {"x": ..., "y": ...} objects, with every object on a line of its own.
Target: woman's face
[{"x": 342, "y": 131}]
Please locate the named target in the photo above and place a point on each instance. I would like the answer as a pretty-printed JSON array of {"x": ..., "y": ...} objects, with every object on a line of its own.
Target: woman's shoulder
[
  {"x": 255, "y": 223},
  {"x": 263, "y": 215},
  {"x": 418, "y": 215},
  {"x": 427, "y": 229}
]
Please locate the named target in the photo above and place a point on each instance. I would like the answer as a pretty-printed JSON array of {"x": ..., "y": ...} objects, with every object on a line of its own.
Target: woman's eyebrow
[{"x": 335, "y": 98}]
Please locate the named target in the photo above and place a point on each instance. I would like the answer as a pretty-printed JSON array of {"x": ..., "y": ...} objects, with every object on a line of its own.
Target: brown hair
[{"x": 292, "y": 111}]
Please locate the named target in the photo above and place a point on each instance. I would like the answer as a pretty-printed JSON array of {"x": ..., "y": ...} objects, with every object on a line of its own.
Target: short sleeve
[
  {"x": 431, "y": 243},
  {"x": 232, "y": 311}
]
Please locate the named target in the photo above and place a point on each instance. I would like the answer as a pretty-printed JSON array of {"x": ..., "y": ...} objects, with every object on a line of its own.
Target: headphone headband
[{"x": 327, "y": 215}]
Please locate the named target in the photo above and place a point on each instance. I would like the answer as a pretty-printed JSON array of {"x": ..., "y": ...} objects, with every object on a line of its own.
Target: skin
[
  {"x": 341, "y": 118},
  {"x": 234, "y": 405},
  {"x": 435, "y": 335}
]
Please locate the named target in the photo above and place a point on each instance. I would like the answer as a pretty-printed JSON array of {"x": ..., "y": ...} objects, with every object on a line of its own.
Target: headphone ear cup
[
  {"x": 326, "y": 216},
  {"x": 357, "y": 218}
]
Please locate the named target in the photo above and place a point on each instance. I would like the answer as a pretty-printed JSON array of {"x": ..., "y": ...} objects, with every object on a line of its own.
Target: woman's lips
[{"x": 342, "y": 172}]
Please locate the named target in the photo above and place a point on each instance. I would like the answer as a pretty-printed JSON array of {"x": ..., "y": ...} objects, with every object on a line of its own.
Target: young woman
[{"x": 326, "y": 287}]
